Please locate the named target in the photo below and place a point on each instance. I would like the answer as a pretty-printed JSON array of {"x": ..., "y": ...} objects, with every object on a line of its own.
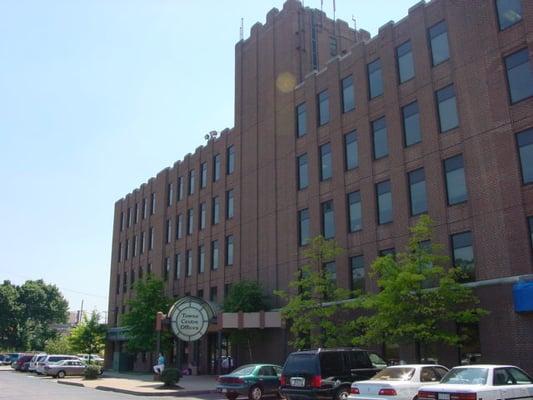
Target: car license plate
[
  {"x": 443, "y": 396},
  {"x": 299, "y": 382}
]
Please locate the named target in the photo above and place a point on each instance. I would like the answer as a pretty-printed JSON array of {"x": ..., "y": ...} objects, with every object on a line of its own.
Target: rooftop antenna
[
  {"x": 211, "y": 135},
  {"x": 241, "y": 30}
]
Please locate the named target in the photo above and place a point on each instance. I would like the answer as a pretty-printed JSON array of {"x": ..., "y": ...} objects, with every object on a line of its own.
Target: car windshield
[
  {"x": 394, "y": 374},
  {"x": 466, "y": 376},
  {"x": 244, "y": 370},
  {"x": 299, "y": 363}
]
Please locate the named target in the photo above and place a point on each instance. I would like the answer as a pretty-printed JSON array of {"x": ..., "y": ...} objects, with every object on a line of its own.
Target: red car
[{"x": 19, "y": 364}]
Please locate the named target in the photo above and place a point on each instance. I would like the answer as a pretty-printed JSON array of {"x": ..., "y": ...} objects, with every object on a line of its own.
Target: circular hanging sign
[{"x": 189, "y": 319}]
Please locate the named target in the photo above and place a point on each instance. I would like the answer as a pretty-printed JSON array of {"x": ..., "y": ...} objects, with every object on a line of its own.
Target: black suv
[{"x": 326, "y": 373}]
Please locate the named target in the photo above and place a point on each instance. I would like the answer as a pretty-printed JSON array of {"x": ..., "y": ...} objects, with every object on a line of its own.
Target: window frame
[
  {"x": 448, "y": 204},
  {"x": 409, "y": 185},
  {"x": 507, "y": 81},
  {"x": 343, "y": 91},
  {"x": 319, "y": 100},
  {"x": 404, "y": 117},
  {"x": 497, "y": 14},
  {"x": 368, "y": 72},
  {"x": 377, "y": 202},
  {"x": 437, "y": 101},
  {"x": 518, "y": 147},
  {"x": 431, "y": 46},
  {"x": 398, "y": 56}
]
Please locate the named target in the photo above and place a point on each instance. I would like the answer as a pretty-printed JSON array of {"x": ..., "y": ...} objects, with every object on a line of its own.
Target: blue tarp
[{"x": 523, "y": 296}]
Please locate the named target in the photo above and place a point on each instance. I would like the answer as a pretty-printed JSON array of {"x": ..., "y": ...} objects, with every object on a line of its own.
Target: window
[
  {"x": 151, "y": 239},
  {"x": 230, "y": 210},
  {"x": 180, "y": 189},
  {"x": 386, "y": 252},
  {"x": 125, "y": 282},
  {"x": 145, "y": 209},
  {"x": 379, "y": 136},
  {"x": 143, "y": 242},
  {"x": 509, "y": 12},
  {"x": 127, "y": 249},
  {"x": 301, "y": 120},
  {"x": 179, "y": 226},
  {"x": 383, "y": 190},
  {"x": 357, "y": 269},
  {"x": 438, "y": 41},
  {"x": 354, "y": 212},
  {"x": 323, "y": 108},
  {"x": 200, "y": 293},
  {"x": 149, "y": 268},
  {"x": 525, "y": 149},
  {"x": 348, "y": 97},
  {"x": 332, "y": 46},
  {"x": 121, "y": 221},
  {"x": 201, "y": 258},
  {"x": 303, "y": 172},
  {"x": 229, "y": 250},
  {"x": 417, "y": 191},
  {"x": 203, "y": 175},
  {"x": 230, "y": 160},
  {"x": 152, "y": 204},
  {"x": 168, "y": 230},
  {"x": 227, "y": 288},
  {"x": 303, "y": 227},
  {"x": 216, "y": 167},
  {"x": 136, "y": 213},
  {"x": 213, "y": 295},
  {"x": 134, "y": 245},
  {"x": 351, "y": 156},
  {"x": 190, "y": 221},
  {"x": 463, "y": 255},
  {"x": 411, "y": 124},
  {"x": 166, "y": 270},
  {"x": 375, "y": 79},
  {"x": 215, "y": 210},
  {"x": 202, "y": 216},
  {"x": 519, "y": 75},
  {"x": 455, "y": 180},
  {"x": 177, "y": 266},
  {"x": 325, "y": 162},
  {"x": 191, "y": 182},
  {"x": 119, "y": 255},
  {"x": 447, "y": 108},
  {"x": 328, "y": 220},
  {"x": 189, "y": 262},
  {"x": 117, "y": 291},
  {"x": 331, "y": 270},
  {"x": 129, "y": 217},
  {"x": 169, "y": 194},
  {"x": 214, "y": 255},
  {"x": 404, "y": 58}
]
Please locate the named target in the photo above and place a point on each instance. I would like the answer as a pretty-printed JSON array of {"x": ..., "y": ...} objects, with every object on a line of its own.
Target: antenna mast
[{"x": 241, "y": 30}]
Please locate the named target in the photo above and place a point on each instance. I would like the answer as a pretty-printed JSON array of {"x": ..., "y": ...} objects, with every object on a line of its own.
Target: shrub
[
  {"x": 92, "y": 371},
  {"x": 170, "y": 376}
]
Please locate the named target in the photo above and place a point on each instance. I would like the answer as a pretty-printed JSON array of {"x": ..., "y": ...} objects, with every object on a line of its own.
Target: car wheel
[
  {"x": 342, "y": 393},
  {"x": 61, "y": 374},
  {"x": 255, "y": 393},
  {"x": 232, "y": 396}
]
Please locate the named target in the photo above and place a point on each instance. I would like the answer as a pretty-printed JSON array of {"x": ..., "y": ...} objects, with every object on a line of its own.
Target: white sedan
[
  {"x": 399, "y": 382},
  {"x": 487, "y": 382}
]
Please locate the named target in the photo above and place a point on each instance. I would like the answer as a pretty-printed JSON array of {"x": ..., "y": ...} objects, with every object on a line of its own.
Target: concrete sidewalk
[{"x": 144, "y": 385}]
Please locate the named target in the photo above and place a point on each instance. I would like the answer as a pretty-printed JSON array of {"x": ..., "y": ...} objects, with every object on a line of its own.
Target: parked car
[
  {"x": 52, "y": 358},
  {"x": 63, "y": 368},
  {"x": 400, "y": 382},
  {"x": 36, "y": 358},
  {"x": 252, "y": 380},
  {"x": 327, "y": 373},
  {"x": 487, "y": 382},
  {"x": 94, "y": 358},
  {"x": 9, "y": 358},
  {"x": 18, "y": 365}
]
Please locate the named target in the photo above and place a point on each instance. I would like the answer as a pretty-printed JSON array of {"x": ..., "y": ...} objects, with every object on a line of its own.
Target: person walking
[{"x": 160, "y": 366}]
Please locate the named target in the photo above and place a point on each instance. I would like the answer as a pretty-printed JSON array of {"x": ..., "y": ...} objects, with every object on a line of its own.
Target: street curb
[{"x": 71, "y": 383}]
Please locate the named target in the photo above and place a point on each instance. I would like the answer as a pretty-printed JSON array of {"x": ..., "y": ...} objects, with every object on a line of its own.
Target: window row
[
  {"x": 173, "y": 265},
  {"x": 135, "y": 213},
  {"x": 456, "y": 192}
]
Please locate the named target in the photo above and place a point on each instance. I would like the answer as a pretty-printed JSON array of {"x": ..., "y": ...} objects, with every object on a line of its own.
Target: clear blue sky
[{"x": 97, "y": 96}]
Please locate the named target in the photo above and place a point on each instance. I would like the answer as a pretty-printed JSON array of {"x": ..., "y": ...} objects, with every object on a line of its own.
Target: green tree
[
  {"x": 417, "y": 298},
  {"x": 58, "y": 345},
  {"x": 89, "y": 336},
  {"x": 245, "y": 296},
  {"x": 315, "y": 304},
  {"x": 140, "y": 319},
  {"x": 9, "y": 310}
]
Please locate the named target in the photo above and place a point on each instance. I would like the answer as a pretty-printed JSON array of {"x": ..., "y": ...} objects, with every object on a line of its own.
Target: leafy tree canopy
[
  {"x": 89, "y": 336},
  {"x": 246, "y": 296},
  {"x": 58, "y": 345}
]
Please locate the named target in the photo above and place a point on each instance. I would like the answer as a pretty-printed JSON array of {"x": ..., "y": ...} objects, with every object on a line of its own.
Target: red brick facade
[{"x": 282, "y": 53}]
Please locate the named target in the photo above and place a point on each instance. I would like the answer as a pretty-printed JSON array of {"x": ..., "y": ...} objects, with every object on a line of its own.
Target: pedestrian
[{"x": 160, "y": 366}]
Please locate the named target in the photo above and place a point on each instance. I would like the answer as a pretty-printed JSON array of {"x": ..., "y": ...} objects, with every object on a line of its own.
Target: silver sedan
[{"x": 64, "y": 368}]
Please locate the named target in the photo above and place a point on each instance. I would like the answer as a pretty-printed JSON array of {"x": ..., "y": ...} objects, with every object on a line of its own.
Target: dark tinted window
[
  {"x": 411, "y": 124},
  {"x": 203, "y": 175},
  {"x": 417, "y": 191},
  {"x": 303, "y": 227},
  {"x": 358, "y": 359},
  {"x": 455, "y": 180},
  {"x": 463, "y": 255},
  {"x": 331, "y": 363},
  {"x": 230, "y": 162},
  {"x": 214, "y": 254},
  {"x": 325, "y": 162},
  {"x": 404, "y": 58},
  {"x": 301, "y": 120},
  {"x": 357, "y": 269},
  {"x": 519, "y": 75},
  {"x": 299, "y": 363},
  {"x": 331, "y": 270},
  {"x": 384, "y": 197},
  {"x": 216, "y": 167},
  {"x": 351, "y": 150},
  {"x": 519, "y": 376},
  {"x": 229, "y": 204},
  {"x": 379, "y": 135},
  {"x": 215, "y": 211},
  {"x": 303, "y": 172},
  {"x": 328, "y": 220},
  {"x": 509, "y": 12},
  {"x": 447, "y": 108},
  {"x": 229, "y": 250},
  {"x": 375, "y": 79},
  {"x": 354, "y": 211},
  {"x": 428, "y": 374},
  {"x": 323, "y": 108},
  {"x": 525, "y": 149},
  {"x": 348, "y": 98},
  {"x": 438, "y": 40}
]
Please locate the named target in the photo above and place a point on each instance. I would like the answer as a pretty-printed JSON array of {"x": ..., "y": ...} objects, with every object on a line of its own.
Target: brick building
[{"x": 354, "y": 137}]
